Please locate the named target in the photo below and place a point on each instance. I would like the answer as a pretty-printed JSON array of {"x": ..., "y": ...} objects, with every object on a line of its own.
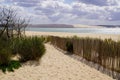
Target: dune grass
[{"x": 28, "y": 48}]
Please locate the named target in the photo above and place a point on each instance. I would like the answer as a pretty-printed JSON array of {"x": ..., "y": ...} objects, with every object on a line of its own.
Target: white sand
[
  {"x": 55, "y": 66},
  {"x": 86, "y": 26},
  {"x": 64, "y": 34}
]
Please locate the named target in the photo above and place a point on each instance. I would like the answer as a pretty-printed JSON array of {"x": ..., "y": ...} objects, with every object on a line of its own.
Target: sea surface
[{"x": 78, "y": 30}]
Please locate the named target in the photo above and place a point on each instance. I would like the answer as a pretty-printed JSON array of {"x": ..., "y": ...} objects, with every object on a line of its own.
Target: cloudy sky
[{"x": 91, "y": 12}]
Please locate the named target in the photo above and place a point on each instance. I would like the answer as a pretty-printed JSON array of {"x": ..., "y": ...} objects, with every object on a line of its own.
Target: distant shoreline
[
  {"x": 71, "y": 26},
  {"x": 62, "y": 26}
]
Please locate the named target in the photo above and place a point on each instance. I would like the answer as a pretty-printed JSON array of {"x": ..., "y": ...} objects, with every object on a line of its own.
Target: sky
[{"x": 89, "y": 12}]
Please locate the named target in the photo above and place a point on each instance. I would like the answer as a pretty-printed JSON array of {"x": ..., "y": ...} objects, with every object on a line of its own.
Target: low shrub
[
  {"x": 45, "y": 38},
  {"x": 10, "y": 66},
  {"x": 69, "y": 46},
  {"x": 15, "y": 46},
  {"x": 48, "y": 38},
  {"x": 30, "y": 48},
  {"x": 5, "y": 56},
  {"x": 5, "y": 51},
  {"x": 6, "y": 63}
]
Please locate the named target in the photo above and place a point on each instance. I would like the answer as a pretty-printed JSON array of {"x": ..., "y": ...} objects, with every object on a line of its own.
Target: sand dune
[
  {"x": 86, "y": 26},
  {"x": 64, "y": 34},
  {"x": 55, "y": 66}
]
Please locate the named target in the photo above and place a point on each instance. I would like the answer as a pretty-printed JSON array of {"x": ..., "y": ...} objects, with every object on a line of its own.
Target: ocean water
[{"x": 78, "y": 30}]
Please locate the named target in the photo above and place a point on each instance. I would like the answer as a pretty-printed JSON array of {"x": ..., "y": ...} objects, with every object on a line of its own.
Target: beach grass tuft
[{"x": 30, "y": 48}]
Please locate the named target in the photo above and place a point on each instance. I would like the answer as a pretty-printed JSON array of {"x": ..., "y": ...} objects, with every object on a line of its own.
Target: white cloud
[
  {"x": 2, "y": 0},
  {"x": 58, "y": 11},
  {"x": 100, "y": 2},
  {"x": 55, "y": 11}
]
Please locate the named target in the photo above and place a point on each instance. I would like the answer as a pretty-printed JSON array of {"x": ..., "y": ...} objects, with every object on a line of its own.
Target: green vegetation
[
  {"x": 6, "y": 63},
  {"x": 5, "y": 56},
  {"x": 69, "y": 46},
  {"x": 10, "y": 66},
  {"x": 13, "y": 41},
  {"x": 28, "y": 48},
  {"x": 5, "y": 51}
]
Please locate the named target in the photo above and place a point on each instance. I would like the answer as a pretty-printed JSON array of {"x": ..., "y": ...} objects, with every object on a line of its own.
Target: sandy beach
[
  {"x": 66, "y": 34},
  {"x": 55, "y": 66},
  {"x": 59, "y": 40}
]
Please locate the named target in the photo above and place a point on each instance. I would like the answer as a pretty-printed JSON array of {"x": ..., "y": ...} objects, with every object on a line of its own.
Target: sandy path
[{"x": 55, "y": 66}]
